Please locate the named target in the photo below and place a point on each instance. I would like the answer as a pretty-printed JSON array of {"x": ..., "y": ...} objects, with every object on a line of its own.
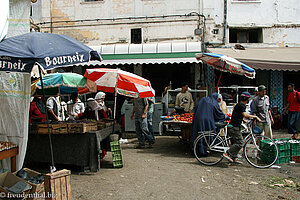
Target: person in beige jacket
[{"x": 184, "y": 99}]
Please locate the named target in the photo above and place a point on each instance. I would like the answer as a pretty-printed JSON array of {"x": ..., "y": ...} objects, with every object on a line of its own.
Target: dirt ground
[{"x": 169, "y": 171}]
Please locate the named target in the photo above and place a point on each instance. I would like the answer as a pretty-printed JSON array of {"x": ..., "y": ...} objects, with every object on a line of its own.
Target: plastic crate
[
  {"x": 118, "y": 163},
  {"x": 115, "y": 146},
  {"x": 296, "y": 159},
  {"x": 117, "y": 157},
  {"x": 280, "y": 160},
  {"x": 266, "y": 145},
  {"x": 295, "y": 152},
  {"x": 295, "y": 146}
]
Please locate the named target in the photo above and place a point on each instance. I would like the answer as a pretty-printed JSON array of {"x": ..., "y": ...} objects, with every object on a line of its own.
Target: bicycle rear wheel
[
  {"x": 260, "y": 151},
  {"x": 208, "y": 148}
]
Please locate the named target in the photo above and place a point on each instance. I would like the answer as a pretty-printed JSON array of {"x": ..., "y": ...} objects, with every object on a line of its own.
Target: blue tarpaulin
[{"x": 21, "y": 52}]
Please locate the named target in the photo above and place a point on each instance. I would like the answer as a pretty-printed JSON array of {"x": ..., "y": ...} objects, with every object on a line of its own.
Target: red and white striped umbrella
[{"x": 122, "y": 82}]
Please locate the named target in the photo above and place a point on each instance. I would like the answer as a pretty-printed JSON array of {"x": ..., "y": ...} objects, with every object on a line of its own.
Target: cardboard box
[
  {"x": 36, "y": 188},
  {"x": 8, "y": 179}
]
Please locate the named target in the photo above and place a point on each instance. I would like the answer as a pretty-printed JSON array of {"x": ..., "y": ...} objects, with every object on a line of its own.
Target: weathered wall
[{"x": 270, "y": 15}]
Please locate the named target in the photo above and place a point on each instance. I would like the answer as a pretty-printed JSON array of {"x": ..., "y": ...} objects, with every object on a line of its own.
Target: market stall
[
  {"x": 179, "y": 125},
  {"x": 18, "y": 55},
  {"x": 78, "y": 144}
]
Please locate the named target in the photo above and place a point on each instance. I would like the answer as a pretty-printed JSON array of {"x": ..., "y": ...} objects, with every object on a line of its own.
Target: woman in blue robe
[{"x": 207, "y": 112}]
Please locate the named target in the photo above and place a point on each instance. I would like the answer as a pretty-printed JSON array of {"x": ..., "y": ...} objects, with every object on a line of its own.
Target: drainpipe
[
  {"x": 225, "y": 21},
  {"x": 203, "y": 47},
  {"x": 51, "y": 24}
]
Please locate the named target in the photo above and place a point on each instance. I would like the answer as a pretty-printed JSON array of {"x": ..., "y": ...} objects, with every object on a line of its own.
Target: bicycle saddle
[{"x": 220, "y": 125}]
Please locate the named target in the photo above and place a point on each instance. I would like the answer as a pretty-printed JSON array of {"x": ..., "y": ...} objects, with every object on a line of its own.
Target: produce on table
[{"x": 187, "y": 117}]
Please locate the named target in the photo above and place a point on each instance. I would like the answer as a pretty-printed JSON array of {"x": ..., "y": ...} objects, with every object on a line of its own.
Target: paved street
[{"x": 168, "y": 171}]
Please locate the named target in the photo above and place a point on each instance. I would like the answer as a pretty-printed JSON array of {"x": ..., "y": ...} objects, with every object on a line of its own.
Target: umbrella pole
[
  {"x": 219, "y": 81},
  {"x": 115, "y": 104},
  {"x": 52, "y": 168}
]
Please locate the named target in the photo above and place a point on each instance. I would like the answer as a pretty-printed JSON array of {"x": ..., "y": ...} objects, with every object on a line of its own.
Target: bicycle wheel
[
  {"x": 260, "y": 151},
  {"x": 208, "y": 148}
]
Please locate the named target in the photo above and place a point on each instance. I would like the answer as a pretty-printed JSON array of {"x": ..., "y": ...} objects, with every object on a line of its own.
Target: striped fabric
[
  {"x": 227, "y": 64},
  {"x": 125, "y": 83}
]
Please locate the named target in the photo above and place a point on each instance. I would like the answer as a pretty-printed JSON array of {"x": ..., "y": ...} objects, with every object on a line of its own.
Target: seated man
[{"x": 75, "y": 106}]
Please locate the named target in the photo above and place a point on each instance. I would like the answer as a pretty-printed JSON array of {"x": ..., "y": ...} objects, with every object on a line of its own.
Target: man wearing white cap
[{"x": 261, "y": 108}]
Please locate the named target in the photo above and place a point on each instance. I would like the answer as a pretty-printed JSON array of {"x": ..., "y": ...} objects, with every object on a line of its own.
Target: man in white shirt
[{"x": 75, "y": 106}]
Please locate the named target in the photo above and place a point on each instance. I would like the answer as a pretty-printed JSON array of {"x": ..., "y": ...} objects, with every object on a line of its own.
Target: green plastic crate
[
  {"x": 280, "y": 160},
  {"x": 295, "y": 152},
  {"x": 117, "y": 157},
  {"x": 116, "y": 152},
  {"x": 265, "y": 145},
  {"x": 295, "y": 146},
  {"x": 115, "y": 146},
  {"x": 285, "y": 146},
  {"x": 283, "y": 160},
  {"x": 118, "y": 163}
]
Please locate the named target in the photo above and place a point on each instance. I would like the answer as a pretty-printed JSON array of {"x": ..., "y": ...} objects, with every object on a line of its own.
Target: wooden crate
[
  {"x": 92, "y": 126},
  {"x": 58, "y": 185},
  {"x": 101, "y": 124},
  {"x": 82, "y": 127},
  {"x": 61, "y": 128},
  {"x": 37, "y": 189}
]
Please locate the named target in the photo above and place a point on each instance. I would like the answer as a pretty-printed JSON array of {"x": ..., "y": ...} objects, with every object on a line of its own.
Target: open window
[
  {"x": 243, "y": 35},
  {"x": 136, "y": 36}
]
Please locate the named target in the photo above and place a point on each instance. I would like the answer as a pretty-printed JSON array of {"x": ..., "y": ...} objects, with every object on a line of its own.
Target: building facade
[{"x": 120, "y": 29}]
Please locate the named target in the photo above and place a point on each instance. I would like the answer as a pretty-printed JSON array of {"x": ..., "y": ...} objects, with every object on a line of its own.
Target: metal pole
[
  {"x": 52, "y": 168},
  {"x": 115, "y": 105}
]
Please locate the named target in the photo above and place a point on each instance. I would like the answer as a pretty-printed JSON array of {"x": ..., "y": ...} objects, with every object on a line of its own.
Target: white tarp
[
  {"x": 14, "y": 112},
  {"x": 19, "y": 17},
  {"x": 4, "y": 14}
]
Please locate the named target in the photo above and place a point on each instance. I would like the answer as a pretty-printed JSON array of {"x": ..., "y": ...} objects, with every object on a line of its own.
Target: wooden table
[{"x": 10, "y": 153}]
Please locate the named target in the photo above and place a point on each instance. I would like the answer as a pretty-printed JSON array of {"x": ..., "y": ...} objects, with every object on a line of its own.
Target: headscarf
[
  {"x": 220, "y": 97},
  {"x": 99, "y": 97},
  {"x": 40, "y": 104},
  {"x": 92, "y": 103}
]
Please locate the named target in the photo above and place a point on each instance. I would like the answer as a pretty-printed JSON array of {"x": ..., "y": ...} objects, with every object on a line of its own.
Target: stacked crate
[
  {"x": 54, "y": 128},
  {"x": 82, "y": 127},
  {"x": 115, "y": 148},
  {"x": 295, "y": 150},
  {"x": 269, "y": 153}
]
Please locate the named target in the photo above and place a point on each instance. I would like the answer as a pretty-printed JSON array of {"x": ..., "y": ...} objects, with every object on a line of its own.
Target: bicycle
[{"x": 260, "y": 151}]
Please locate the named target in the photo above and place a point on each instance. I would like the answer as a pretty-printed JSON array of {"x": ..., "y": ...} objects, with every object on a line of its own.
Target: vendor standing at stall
[
  {"x": 75, "y": 107},
  {"x": 53, "y": 108},
  {"x": 184, "y": 99},
  {"x": 100, "y": 98}
]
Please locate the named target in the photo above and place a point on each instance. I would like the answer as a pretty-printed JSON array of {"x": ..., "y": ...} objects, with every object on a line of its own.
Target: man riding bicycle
[{"x": 234, "y": 128}]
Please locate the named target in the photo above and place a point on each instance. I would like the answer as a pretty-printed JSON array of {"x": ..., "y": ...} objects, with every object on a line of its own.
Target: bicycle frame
[{"x": 218, "y": 148}]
